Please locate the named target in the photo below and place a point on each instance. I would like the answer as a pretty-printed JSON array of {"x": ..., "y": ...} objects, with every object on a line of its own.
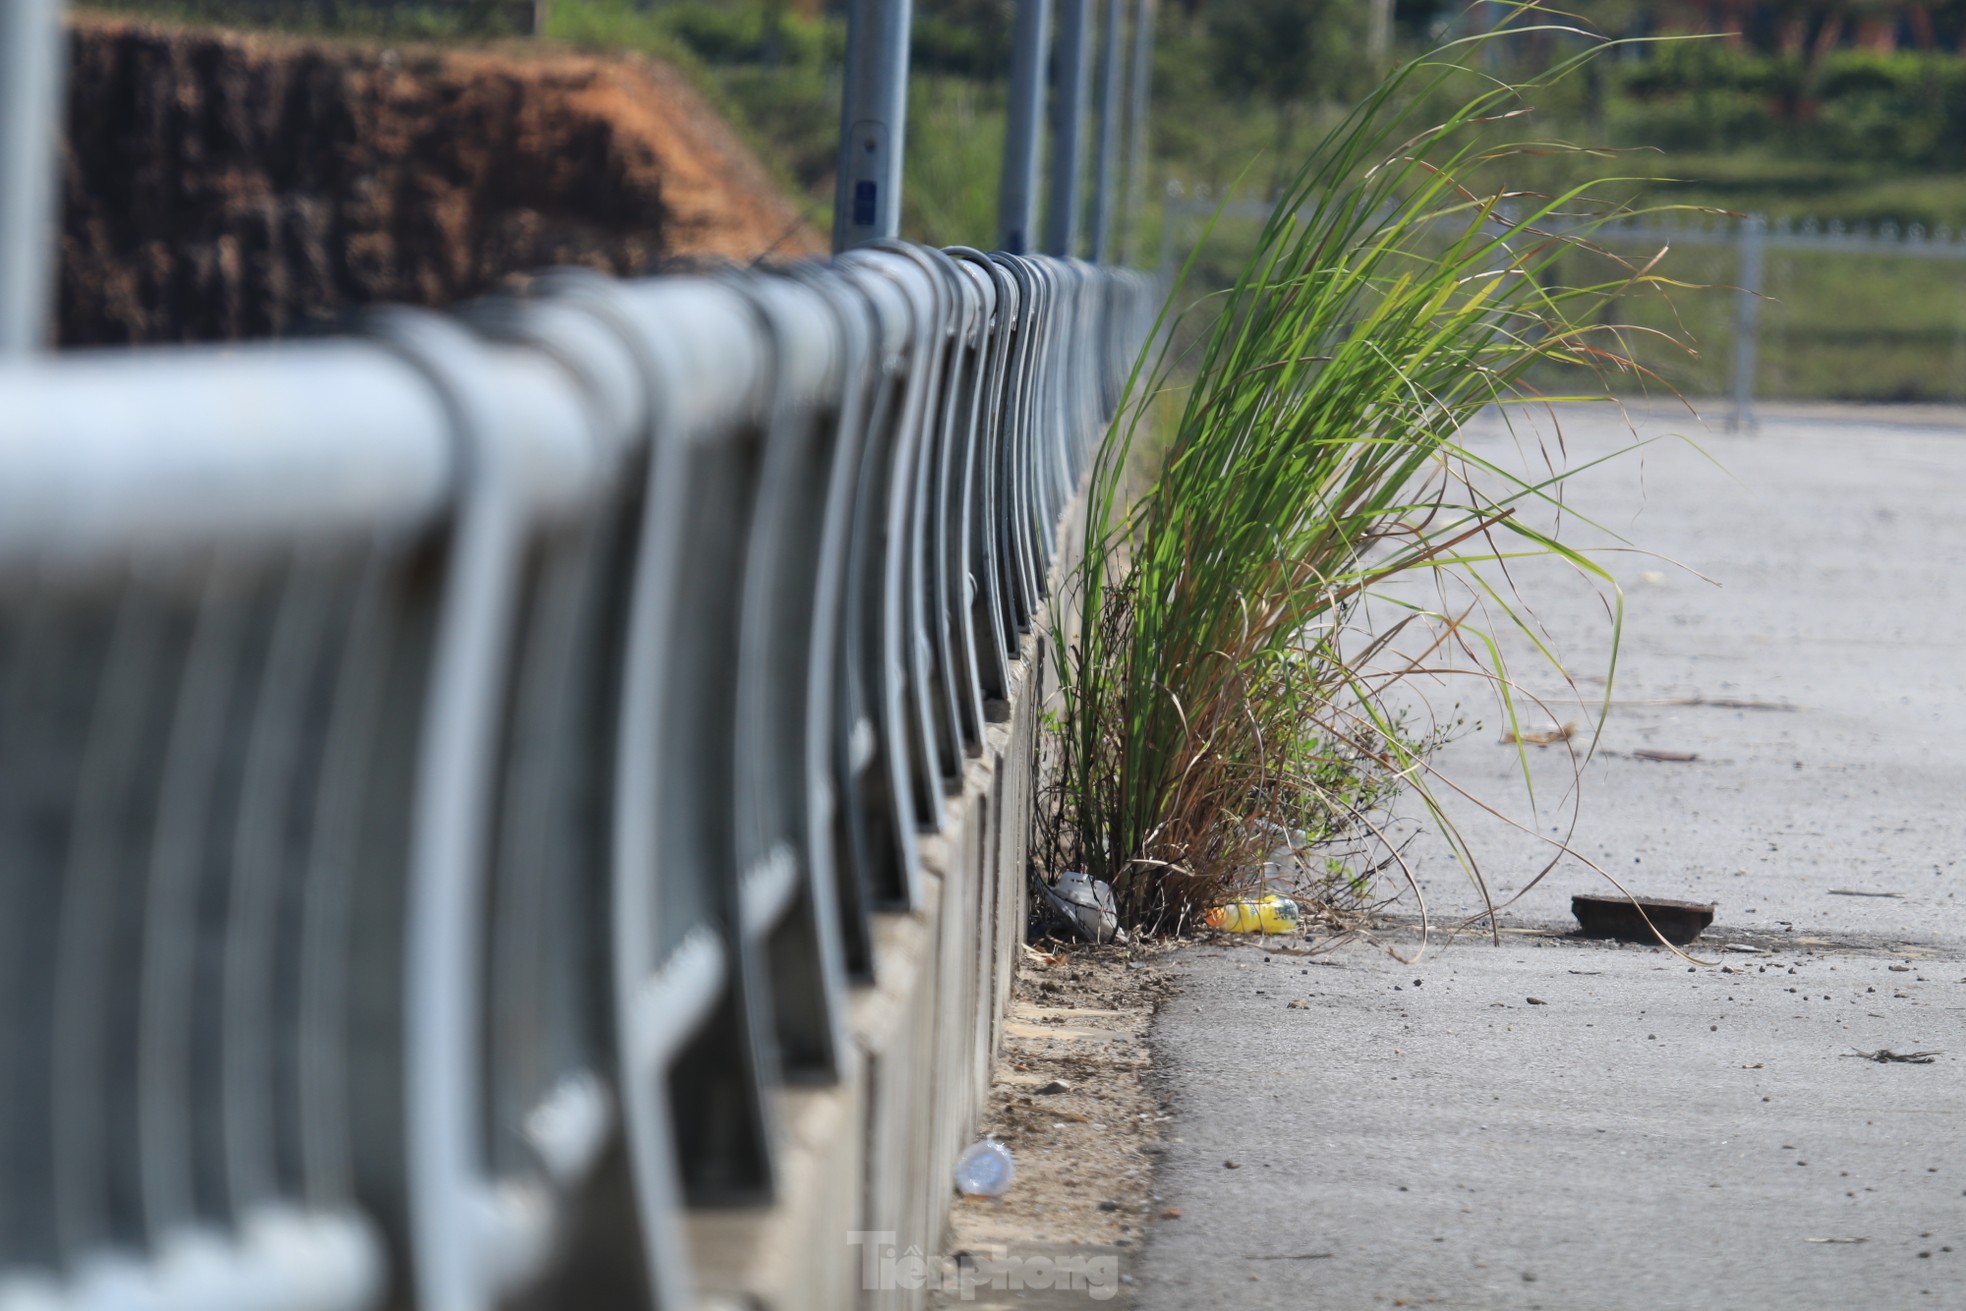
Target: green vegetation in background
[
  {"x": 1904, "y": 107},
  {"x": 1242, "y": 86},
  {"x": 1217, "y": 106},
  {"x": 1863, "y": 137},
  {"x": 777, "y": 75},
  {"x": 1278, "y": 59},
  {"x": 773, "y": 72},
  {"x": 955, "y": 160}
]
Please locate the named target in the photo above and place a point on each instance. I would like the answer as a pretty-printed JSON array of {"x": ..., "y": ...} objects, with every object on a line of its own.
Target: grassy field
[{"x": 1832, "y": 325}]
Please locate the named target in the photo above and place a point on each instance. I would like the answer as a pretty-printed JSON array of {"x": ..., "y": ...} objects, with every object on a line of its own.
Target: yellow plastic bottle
[{"x": 1270, "y": 913}]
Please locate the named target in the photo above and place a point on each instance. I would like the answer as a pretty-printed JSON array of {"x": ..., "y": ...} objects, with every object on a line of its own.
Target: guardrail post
[
  {"x": 1017, "y": 203},
  {"x": 1136, "y": 127},
  {"x": 1067, "y": 131},
  {"x": 31, "y": 56},
  {"x": 1747, "y": 320},
  {"x": 1109, "y": 115},
  {"x": 873, "y": 124}
]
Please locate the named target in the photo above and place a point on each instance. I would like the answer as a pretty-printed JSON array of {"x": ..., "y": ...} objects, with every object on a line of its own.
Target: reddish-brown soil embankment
[{"x": 223, "y": 185}]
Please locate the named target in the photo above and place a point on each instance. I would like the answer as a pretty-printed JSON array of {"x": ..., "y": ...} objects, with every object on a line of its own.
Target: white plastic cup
[{"x": 986, "y": 1169}]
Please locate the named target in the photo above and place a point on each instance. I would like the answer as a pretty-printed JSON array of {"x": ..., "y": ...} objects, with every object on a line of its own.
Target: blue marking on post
[{"x": 865, "y": 204}]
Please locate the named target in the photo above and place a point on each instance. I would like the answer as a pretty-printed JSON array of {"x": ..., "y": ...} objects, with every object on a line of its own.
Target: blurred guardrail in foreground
[
  {"x": 1861, "y": 295},
  {"x": 527, "y": 807}
]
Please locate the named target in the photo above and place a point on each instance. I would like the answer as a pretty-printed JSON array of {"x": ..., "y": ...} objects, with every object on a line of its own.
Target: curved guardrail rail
[{"x": 448, "y": 776}]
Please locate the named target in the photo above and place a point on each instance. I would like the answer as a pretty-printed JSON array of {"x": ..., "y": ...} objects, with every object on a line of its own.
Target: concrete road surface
[{"x": 1575, "y": 1125}]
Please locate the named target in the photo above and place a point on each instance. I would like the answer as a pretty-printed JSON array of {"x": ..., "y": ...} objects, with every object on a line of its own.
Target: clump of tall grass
[{"x": 1215, "y": 693}]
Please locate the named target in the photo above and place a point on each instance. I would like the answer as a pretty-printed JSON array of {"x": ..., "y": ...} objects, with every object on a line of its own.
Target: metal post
[
  {"x": 873, "y": 124},
  {"x": 1109, "y": 131},
  {"x": 1136, "y": 127},
  {"x": 1061, "y": 219},
  {"x": 1017, "y": 198},
  {"x": 1747, "y": 319},
  {"x": 1379, "y": 32},
  {"x": 31, "y": 56},
  {"x": 1483, "y": 20}
]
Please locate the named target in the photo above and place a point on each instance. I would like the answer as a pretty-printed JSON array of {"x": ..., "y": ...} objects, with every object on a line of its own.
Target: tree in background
[
  {"x": 1285, "y": 54},
  {"x": 968, "y": 38}
]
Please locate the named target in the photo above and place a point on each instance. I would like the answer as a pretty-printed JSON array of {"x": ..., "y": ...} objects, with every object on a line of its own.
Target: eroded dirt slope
[{"x": 223, "y": 185}]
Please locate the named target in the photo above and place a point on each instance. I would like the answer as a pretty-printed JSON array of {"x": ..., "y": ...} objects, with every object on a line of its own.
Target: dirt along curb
[{"x": 1074, "y": 1098}]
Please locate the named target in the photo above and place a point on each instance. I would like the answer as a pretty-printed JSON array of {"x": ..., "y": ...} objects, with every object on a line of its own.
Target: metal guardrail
[
  {"x": 1752, "y": 236},
  {"x": 447, "y": 775}
]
